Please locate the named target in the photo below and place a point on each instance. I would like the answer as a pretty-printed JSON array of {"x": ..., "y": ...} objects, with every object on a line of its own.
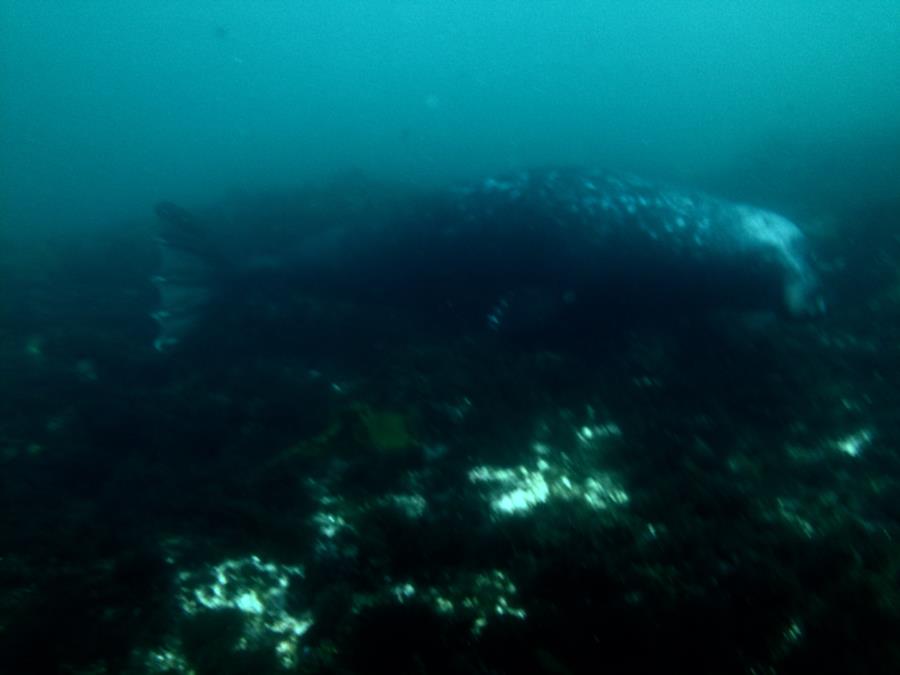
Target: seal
[{"x": 592, "y": 240}]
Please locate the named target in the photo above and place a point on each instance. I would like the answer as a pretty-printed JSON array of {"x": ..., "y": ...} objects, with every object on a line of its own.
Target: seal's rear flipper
[{"x": 186, "y": 277}]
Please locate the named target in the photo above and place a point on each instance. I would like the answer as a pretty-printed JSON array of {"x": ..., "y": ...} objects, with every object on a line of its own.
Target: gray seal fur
[{"x": 593, "y": 238}]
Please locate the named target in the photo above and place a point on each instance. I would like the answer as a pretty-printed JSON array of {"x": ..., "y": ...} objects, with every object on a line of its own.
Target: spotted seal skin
[
  {"x": 619, "y": 233},
  {"x": 592, "y": 240}
]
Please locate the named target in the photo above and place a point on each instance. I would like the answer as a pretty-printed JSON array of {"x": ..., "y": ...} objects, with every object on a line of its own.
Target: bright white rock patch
[
  {"x": 258, "y": 590},
  {"x": 853, "y": 444},
  {"x": 480, "y": 597},
  {"x": 551, "y": 476}
]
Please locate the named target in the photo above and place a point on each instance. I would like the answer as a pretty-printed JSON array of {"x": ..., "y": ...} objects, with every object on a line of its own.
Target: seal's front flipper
[{"x": 186, "y": 277}]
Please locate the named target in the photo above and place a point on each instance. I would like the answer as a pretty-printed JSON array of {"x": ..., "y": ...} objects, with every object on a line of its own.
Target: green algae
[
  {"x": 382, "y": 429},
  {"x": 355, "y": 428}
]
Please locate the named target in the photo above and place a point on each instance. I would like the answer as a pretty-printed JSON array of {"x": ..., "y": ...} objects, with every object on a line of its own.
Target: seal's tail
[{"x": 186, "y": 277}]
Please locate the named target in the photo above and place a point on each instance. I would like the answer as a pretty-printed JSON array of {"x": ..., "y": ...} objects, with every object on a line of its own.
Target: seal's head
[{"x": 801, "y": 294}]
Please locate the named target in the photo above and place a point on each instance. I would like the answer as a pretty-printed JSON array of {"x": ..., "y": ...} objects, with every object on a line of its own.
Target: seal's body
[{"x": 592, "y": 239}]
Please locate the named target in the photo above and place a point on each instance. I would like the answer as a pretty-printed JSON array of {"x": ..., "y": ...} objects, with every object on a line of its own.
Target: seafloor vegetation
[{"x": 316, "y": 487}]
